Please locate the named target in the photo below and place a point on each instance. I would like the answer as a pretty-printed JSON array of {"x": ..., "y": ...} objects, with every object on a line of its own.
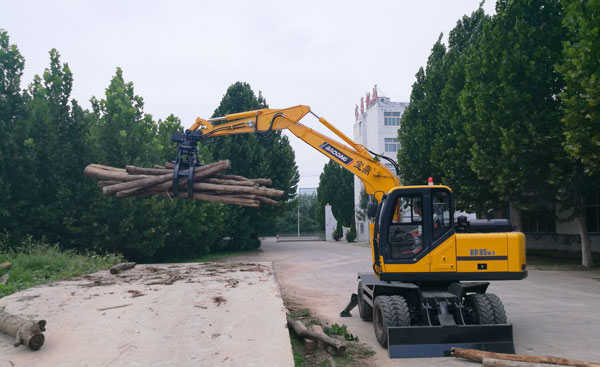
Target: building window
[
  {"x": 391, "y": 144},
  {"x": 362, "y": 228},
  {"x": 539, "y": 221},
  {"x": 592, "y": 212},
  {"x": 391, "y": 118}
]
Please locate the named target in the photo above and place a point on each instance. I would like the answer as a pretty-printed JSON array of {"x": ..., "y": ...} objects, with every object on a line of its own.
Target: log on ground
[
  {"x": 25, "y": 331},
  {"x": 491, "y": 362},
  {"x": 478, "y": 356},
  {"x": 302, "y": 332},
  {"x": 121, "y": 267}
]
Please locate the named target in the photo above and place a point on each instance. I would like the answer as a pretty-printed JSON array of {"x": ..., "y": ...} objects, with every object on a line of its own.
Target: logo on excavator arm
[{"x": 336, "y": 153}]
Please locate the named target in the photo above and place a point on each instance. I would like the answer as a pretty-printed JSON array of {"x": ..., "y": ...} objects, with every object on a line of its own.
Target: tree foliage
[
  {"x": 580, "y": 68},
  {"x": 336, "y": 188},
  {"x": 252, "y": 157},
  {"x": 48, "y": 139},
  {"x": 486, "y": 111}
]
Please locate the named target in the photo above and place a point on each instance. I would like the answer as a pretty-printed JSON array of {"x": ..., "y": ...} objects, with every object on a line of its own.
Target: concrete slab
[{"x": 226, "y": 314}]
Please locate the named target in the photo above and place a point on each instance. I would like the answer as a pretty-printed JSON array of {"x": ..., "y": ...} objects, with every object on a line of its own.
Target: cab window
[
  {"x": 442, "y": 222},
  {"x": 405, "y": 230}
]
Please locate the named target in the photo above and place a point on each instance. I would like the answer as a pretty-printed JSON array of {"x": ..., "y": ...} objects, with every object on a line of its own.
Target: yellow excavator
[{"x": 427, "y": 292}]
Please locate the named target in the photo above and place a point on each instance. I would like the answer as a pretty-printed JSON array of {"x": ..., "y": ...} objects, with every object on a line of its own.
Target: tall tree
[
  {"x": 253, "y": 157},
  {"x": 336, "y": 188},
  {"x": 580, "y": 67},
  {"x": 123, "y": 134},
  {"x": 419, "y": 121},
  {"x": 11, "y": 111},
  {"x": 578, "y": 175},
  {"x": 450, "y": 147},
  {"x": 510, "y": 102}
]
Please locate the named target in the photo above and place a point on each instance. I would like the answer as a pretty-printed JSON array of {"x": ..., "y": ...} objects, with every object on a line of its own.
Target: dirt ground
[{"x": 209, "y": 314}]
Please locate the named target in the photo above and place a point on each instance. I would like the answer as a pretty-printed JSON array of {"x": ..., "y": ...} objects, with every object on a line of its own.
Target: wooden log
[
  {"x": 219, "y": 181},
  {"x": 102, "y": 184},
  {"x": 167, "y": 179},
  {"x": 158, "y": 166},
  {"x": 4, "y": 279},
  {"x": 491, "y": 362},
  {"x": 337, "y": 345},
  {"x": 199, "y": 174},
  {"x": 5, "y": 265},
  {"x": 121, "y": 267},
  {"x": 268, "y": 201},
  {"x": 478, "y": 356},
  {"x": 25, "y": 331},
  {"x": 104, "y": 174},
  {"x": 224, "y": 199},
  {"x": 201, "y": 186},
  {"x": 107, "y": 168},
  {"x": 170, "y": 165},
  {"x": 262, "y": 181},
  {"x": 134, "y": 170},
  {"x": 232, "y": 177},
  {"x": 328, "y": 348}
]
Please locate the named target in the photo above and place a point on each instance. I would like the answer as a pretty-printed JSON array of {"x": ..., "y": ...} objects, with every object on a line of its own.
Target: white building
[{"x": 376, "y": 127}]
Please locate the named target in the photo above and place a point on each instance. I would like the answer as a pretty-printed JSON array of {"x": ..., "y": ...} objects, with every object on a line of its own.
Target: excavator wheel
[
  {"x": 481, "y": 312},
  {"x": 389, "y": 311},
  {"x": 497, "y": 308},
  {"x": 364, "y": 309}
]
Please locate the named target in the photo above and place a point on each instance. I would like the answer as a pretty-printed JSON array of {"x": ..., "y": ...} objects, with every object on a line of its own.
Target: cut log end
[{"x": 35, "y": 342}]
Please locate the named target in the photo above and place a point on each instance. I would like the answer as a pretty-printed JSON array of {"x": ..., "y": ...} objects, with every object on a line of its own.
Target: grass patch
[
  {"x": 35, "y": 263},
  {"x": 356, "y": 354}
]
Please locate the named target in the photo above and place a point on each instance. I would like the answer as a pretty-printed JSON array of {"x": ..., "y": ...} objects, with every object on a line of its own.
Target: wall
[{"x": 560, "y": 242}]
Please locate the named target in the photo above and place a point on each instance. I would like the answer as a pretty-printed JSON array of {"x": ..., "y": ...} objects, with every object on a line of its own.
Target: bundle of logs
[{"x": 209, "y": 183}]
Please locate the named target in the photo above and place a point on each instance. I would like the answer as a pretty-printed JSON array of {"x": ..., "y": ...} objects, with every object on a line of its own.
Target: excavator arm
[{"x": 376, "y": 177}]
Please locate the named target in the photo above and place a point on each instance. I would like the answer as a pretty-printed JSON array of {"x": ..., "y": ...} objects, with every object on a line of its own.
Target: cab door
[
  {"x": 404, "y": 240},
  {"x": 443, "y": 239}
]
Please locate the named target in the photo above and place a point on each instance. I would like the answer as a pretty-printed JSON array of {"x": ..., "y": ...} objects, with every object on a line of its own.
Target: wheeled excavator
[{"x": 428, "y": 289}]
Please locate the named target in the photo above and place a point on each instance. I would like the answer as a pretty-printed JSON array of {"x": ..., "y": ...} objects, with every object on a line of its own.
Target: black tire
[
  {"x": 389, "y": 311},
  {"x": 497, "y": 308},
  {"x": 364, "y": 309},
  {"x": 480, "y": 309}
]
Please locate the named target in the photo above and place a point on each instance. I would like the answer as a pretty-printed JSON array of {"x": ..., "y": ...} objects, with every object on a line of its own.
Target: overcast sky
[{"x": 182, "y": 55}]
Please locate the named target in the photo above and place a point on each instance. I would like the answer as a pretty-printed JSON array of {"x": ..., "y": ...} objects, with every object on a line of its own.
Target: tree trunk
[
  {"x": 478, "y": 356},
  {"x": 516, "y": 219},
  {"x": 120, "y": 267},
  {"x": 26, "y": 332},
  {"x": 302, "y": 332},
  {"x": 491, "y": 362},
  {"x": 586, "y": 247}
]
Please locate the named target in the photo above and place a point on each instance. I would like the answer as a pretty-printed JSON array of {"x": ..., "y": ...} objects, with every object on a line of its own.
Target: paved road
[{"x": 555, "y": 312}]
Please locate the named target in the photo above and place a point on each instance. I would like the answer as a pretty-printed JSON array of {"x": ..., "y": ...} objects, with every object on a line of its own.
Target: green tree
[
  {"x": 509, "y": 102},
  {"x": 450, "y": 147},
  {"x": 123, "y": 134},
  {"x": 578, "y": 174},
  {"x": 12, "y": 108},
  {"x": 253, "y": 157},
  {"x": 580, "y": 68},
  {"x": 336, "y": 188}
]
